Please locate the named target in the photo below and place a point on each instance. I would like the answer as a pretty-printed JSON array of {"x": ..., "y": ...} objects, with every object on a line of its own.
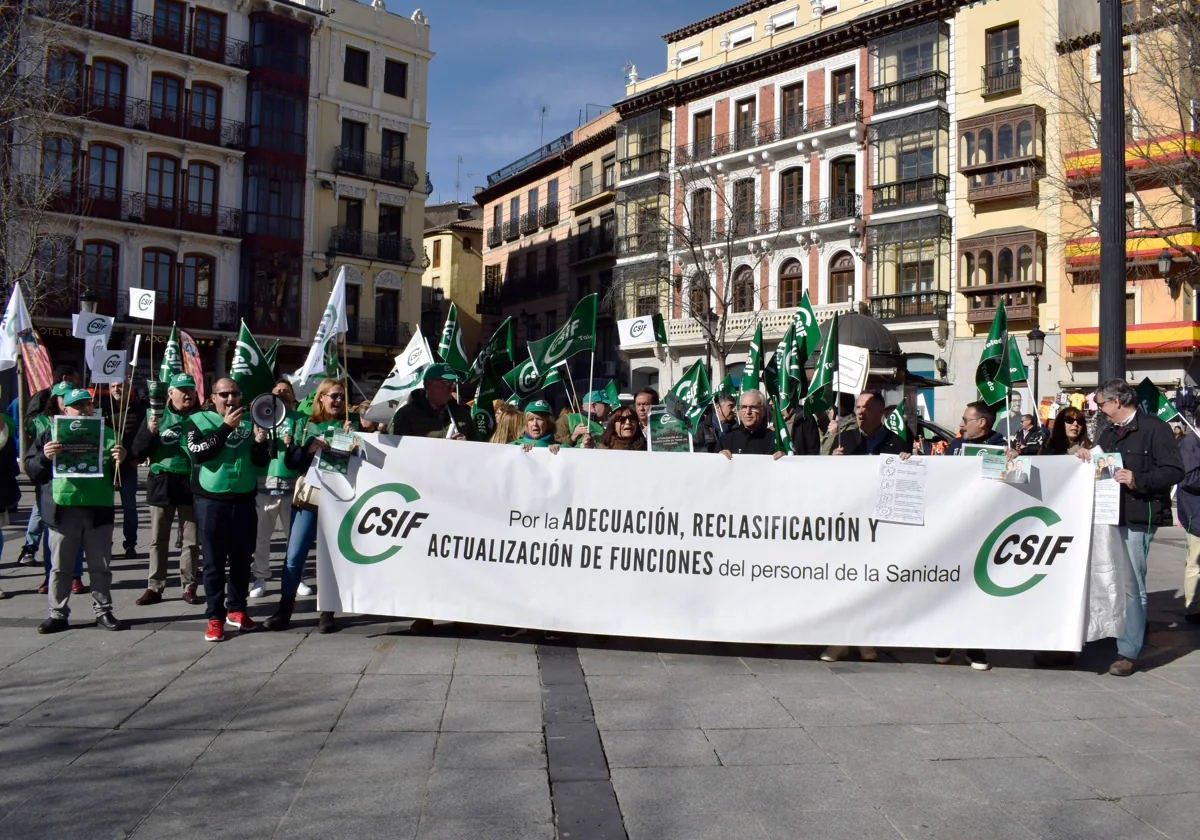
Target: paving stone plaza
[{"x": 372, "y": 733}]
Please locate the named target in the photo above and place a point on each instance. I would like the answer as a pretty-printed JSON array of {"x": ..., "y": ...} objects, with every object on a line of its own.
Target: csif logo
[
  {"x": 112, "y": 364},
  {"x": 244, "y": 359},
  {"x": 371, "y": 528},
  {"x": 637, "y": 328},
  {"x": 529, "y": 378},
  {"x": 561, "y": 340},
  {"x": 415, "y": 355},
  {"x": 75, "y": 425},
  {"x": 1026, "y": 545},
  {"x": 96, "y": 326},
  {"x": 145, "y": 301}
]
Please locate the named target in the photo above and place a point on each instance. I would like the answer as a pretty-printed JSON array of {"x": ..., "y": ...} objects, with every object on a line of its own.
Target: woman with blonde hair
[{"x": 510, "y": 424}]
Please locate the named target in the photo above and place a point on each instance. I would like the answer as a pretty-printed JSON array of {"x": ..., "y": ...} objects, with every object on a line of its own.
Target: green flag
[
  {"x": 660, "y": 328},
  {"x": 789, "y": 368},
  {"x": 272, "y": 354},
  {"x": 1152, "y": 401},
  {"x": 727, "y": 386},
  {"x": 481, "y": 410},
  {"x": 249, "y": 368},
  {"x": 1016, "y": 367},
  {"x": 575, "y": 336},
  {"x": 497, "y": 355},
  {"x": 450, "y": 348},
  {"x": 808, "y": 331},
  {"x": 172, "y": 358},
  {"x": 783, "y": 436},
  {"x": 821, "y": 394},
  {"x": 693, "y": 388},
  {"x": 770, "y": 377},
  {"x": 524, "y": 380},
  {"x": 750, "y": 373},
  {"x": 611, "y": 394},
  {"x": 992, "y": 373},
  {"x": 896, "y": 422}
]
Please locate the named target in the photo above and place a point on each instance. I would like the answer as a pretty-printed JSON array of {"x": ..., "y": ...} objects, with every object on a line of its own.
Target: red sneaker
[
  {"x": 77, "y": 586},
  {"x": 216, "y": 630},
  {"x": 44, "y": 588},
  {"x": 240, "y": 620}
]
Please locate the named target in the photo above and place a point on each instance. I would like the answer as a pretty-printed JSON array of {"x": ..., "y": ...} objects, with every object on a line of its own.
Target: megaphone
[
  {"x": 157, "y": 392},
  {"x": 268, "y": 411}
]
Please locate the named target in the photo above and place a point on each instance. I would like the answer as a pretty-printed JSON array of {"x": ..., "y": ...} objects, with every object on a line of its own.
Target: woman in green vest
[
  {"x": 79, "y": 512},
  {"x": 539, "y": 428},
  {"x": 328, "y": 416}
]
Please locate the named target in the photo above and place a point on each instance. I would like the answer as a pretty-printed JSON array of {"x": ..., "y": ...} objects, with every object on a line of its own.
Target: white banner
[
  {"x": 90, "y": 325},
  {"x": 854, "y": 363},
  {"x": 636, "y": 331},
  {"x": 109, "y": 367},
  {"x": 141, "y": 303},
  {"x": 494, "y": 535}
]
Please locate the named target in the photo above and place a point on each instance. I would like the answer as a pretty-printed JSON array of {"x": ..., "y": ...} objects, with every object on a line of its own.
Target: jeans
[
  {"x": 77, "y": 532},
  {"x": 271, "y": 510},
  {"x": 36, "y": 529},
  {"x": 227, "y": 528},
  {"x": 1137, "y": 544},
  {"x": 129, "y": 506},
  {"x": 300, "y": 542}
]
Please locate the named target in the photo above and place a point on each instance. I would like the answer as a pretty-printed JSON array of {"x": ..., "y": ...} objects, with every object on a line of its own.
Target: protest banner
[
  {"x": 494, "y": 535},
  {"x": 82, "y": 440}
]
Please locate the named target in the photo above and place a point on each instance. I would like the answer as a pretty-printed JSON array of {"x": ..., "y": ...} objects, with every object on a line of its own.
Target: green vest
[
  {"x": 88, "y": 492},
  {"x": 293, "y": 424},
  {"x": 314, "y": 429},
  {"x": 38, "y": 424},
  {"x": 170, "y": 454},
  {"x": 536, "y": 443},
  {"x": 231, "y": 471}
]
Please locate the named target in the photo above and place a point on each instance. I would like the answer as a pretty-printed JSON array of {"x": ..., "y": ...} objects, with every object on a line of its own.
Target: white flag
[
  {"x": 94, "y": 350},
  {"x": 333, "y": 323},
  {"x": 415, "y": 355},
  {"x": 16, "y": 321},
  {"x": 90, "y": 325},
  {"x": 854, "y": 363},
  {"x": 402, "y": 381},
  {"x": 109, "y": 367},
  {"x": 634, "y": 331},
  {"x": 141, "y": 304}
]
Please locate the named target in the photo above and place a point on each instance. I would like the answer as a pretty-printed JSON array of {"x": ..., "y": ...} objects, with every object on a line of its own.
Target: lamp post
[
  {"x": 1036, "y": 343},
  {"x": 1112, "y": 194}
]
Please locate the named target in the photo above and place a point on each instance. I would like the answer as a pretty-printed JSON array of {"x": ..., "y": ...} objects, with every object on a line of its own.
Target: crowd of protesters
[{"x": 229, "y": 484}]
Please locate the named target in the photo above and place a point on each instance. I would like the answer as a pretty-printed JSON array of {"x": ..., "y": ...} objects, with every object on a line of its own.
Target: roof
[
  {"x": 463, "y": 224},
  {"x": 716, "y": 20},
  {"x": 1004, "y": 231}
]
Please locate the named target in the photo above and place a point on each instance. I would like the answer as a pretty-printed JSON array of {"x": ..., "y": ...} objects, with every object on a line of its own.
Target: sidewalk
[{"x": 372, "y": 733}]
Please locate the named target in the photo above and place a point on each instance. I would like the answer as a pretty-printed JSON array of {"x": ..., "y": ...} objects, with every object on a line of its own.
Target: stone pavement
[{"x": 372, "y": 733}]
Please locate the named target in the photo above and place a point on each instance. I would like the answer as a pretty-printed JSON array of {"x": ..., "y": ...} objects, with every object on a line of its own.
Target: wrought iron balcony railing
[
  {"x": 529, "y": 222},
  {"x": 548, "y": 215},
  {"x": 389, "y": 247},
  {"x": 764, "y": 133},
  {"x": 592, "y": 244},
  {"x": 788, "y": 217},
  {"x": 923, "y": 88},
  {"x": 494, "y": 236},
  {"x": 143, "y": 115},
  {"x": 1002, "y": 76},
  {"x": 927, "y": 190},
  {"x": 642, "y": 242},
  {"x": 171, "y": 212},
  {"x": 594, "y": 188},
  {"x": 910, "y": 306},
  {"x": 647, "y": 163},
  {"x": 145, "y": 29},
  {"x": 348, "y": 161},
  {"x": 512, "y": 230}
]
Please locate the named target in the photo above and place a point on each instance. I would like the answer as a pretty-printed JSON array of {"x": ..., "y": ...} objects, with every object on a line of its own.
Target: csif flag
[
  {"x": 660, "y": 328},
  {"x": 1016, "y": 367},
  {"x": 753, "y": 366},
  {"x": 16, "y": 321},
  {"x": 611, "y": 395},
  {"x": 333, "y": 323},
  {"x": 249, "y": 368},
  {"x": 727, "y": 386},
  {"x": 482, "y": 413},
  {"x": 450, "y": 347},
  {"x": 497, "y": 355},
  {"x": 896, "y": 421},
  {"x": 271, "y": 354},
  {"x": 416, "y": 356},
  {"x": 770, "y": 377},
  {"x": 808, "y": 331},
  {"x": 821, "y": 391},
  {"x": 172, "y": 358},
  {"x": 1153, "y": 402},
  {"x": 790, "y": 370},
  {"x": 575, "y": 336},
  {"x": 992, "y": 376},
  {"x": 524, "y": 380},
  {"x": 693, "y": 389},
  {"x": 783, "y": 436}
]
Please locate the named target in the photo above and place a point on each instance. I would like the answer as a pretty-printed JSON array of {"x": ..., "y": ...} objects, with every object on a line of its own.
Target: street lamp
[
  {"x": 1036, "y": 343},
  {"x": 1164, "y": 262}
]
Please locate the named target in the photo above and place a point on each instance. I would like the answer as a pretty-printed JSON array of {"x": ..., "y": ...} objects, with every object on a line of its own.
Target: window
[
  {"x": 746, "y": 111},
  {"x": 702, "y": 133},
  {"x": 533, "y": 201},
  {"x": 274, "y": 204},
  {"x": 842, "y": 178},
  {"x": 791, "y": 277},
  {"x": 1128, "y": 59},
  {"x": 783, "y": 20},
  {"x": 608, "y": 172},
  {"x": 793, "y": 110},
  {"x": 585, "y": 181},
  {"x": 199, "y": 271},
  {"x": 53, "y": 264},
  {"x": 437, "y": 253},
  {"x": 698, "y": 295},
  {"x": 1131, "y": 214},
  {"x": 647, "y": 300},
  {"x": 1131, "y": 308},
  {"x": 350, "y": 213},
  {"x": 354, "y": 136},
  {"x": 157, "y": 267},
  {"x": 791, "y": 197},
  {"x": 395, "y": 78},
  {"x": 387, "y": 307},
  {"x": 107, "y": 90},
  {"x": 64, "y": 70},
  {"x": 688, "y": 56},
  {"x": 166, "y": 95},
  {"x": 701, "y": 215},
  {"x": 743, "y": 290},
  {"x": 58, "y": 163},
  {"x": 100, "y": 269},
  {"x": 204, "y": 114},
  {"x": 201, "y": 189},
  {"x": 740, "y": 36},
  {"x": 355, "y": 69},
  {"x": 552, "y": 192},
  {"x": 283, "y": 46},
  {"x": 208, "y": 34},
  {"x": 497, "y": 215},
  {"x": 393, "y": 148},
  {"x": 466, "y": 243},
  {"x": 277, "y": 121},
  {"x": 168, "y": 24},
  {"x": 843, "y": 86},
  {"x": 514, "y": 209},
  {"x": 841, "y": 279},
  {"x": 391, "y": 223},
  {"x": 162, "y": 179},
  {"x": 551, "y": 320},
  {"x": 103, "y": 172},
  {"x": 1003, "y": 50},
  {"x": 917, "y": 276},
  {"x": 743, "y": 207}
]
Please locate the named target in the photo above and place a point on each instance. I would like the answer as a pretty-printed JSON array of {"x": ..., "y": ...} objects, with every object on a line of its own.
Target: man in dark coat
[
  {"x": 871, "y": 437},
  {"x": 432, "y": 411},
  {"x": 752, "y": 437}
]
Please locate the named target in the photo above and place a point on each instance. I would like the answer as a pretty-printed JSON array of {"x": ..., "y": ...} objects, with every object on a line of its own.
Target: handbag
[{"x": 306, "y": 496}]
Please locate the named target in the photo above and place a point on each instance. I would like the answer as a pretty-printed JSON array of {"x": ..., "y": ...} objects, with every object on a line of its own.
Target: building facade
[{"x": 453, "y": 254}]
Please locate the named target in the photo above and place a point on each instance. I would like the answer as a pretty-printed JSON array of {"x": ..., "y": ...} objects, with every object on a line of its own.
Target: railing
[
  {"x": 910, "y": 91},
  {"x": 181, "y": 39},
  {"x": 741, "y": 325},
  {"x": 910, "y": 306},
  {"x": 1017, "y": 306},
  {"x": 789, "y": 217},
  {"x": 904, "y": 193},
  {"x": 155, "y": 210},
  {"x": 591, "y": 244},
  {"x": 645, "y": 164},
  {"x": 511, "y": 230},
  {"x": 548, "y": 215},
  {"x": 493, "y": 236},
  {"x": 643, "y": 242},
  {"x": 1014, "y": 182},
  {"x": 143, "y": 115},
  {"x": 370, "y": 331},
  {"x": 389, "y": 247},
  {"x": 347, "y": 161},
  {"x": 1002, "y": 76},
  {"x": 765, "y": 133},
  {"x": 528, "y": 286},
  {"x": 490, "y": 299},
  {"x": 593, "y": 189},
  {"x": 529, "y": 222}
]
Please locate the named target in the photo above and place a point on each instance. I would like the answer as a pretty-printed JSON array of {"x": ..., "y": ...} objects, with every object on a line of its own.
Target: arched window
[
  {"x": 162, "y": 185},
  {"x": 1004, "y": 142},
  {"x": 698, "y": 295},
  {"x": 985, "y": 146},
  {"x": 166, "y": 102},
  {"x": 968, "y": 269},
  {"x": 104, "y": 175},
  {"x": 1004, "y": 266},
  {"x": 841, "y": 278},
  {"x": 967, "y": 149},
  {"x": 106, "y": 93},
  {"x": 201, "y": 207},
  {"x": 1025, "y": 139},
  {"x": 842, "y": 189},
  {"x": 743, "y": 289},
  {"x": 204, "y": 114},
  {"x": 985, "y": 268},
  {"x": 1025, "y": 264},
  {"x": 701, "y": 212},
  {"x": 157, "y": 268},
  {"x": 100, "y": 269},
  {"x": 196, "y": 284},
  {"x": 58, "y": 163},
  {"x": 791, "y": 284},
  {"x": 791, "y": 197},
  {"x": 743, "y": 207},
  {"x": 64, "y": 75}
]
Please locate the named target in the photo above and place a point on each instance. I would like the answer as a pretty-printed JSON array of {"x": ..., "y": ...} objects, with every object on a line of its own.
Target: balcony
[
  {"x": 548, "y": 215},
  {"x": 180, "y": 39},
  {"x": 1020, "y": 302},
  {"x": 143, "y": 115},
  {"x": 373, "y": 167},
  {"x": 493, "y": 236},
  {"x": 741, "y": 325},
  {"x": 591, "y": 193},
  {"x": 490, "y": 298},
  {"x": 511, "y": 231},
  {"x": 790, "y": 217},
  {"x": 647, "y": 163},
  {"x": 1002, "y": 77},
  {"x": 911, "y": 306},
  {"x": 928, "y": 190},
  {"x": 154, "y": 210},
  {"x": 388, "y": 247},
  {"x": 1005, "y": 184},
  {"x": 529, "y": 223},
  {"x": 764, "y": 133},
  {"x": 369, "y": 331},
  {"x": 928, "y": 87},
  {"x": 1163, "y": 338},
  {"x": 590, "y": 245},
  {"x": 644, "y": 242},
  {"x": 528, "y": 287}
]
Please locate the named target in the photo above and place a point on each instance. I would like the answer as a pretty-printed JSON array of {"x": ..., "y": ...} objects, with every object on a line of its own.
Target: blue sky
[{"x": 499, "y": 61}]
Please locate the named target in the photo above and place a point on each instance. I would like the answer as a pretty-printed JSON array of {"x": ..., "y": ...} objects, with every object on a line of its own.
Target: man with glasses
[
  {"x": 227, "y": 452},
  {"x": 1151, "y": 466},
  {"x": 870, "y": 437},
  {"x": 169, "y": 489},
  {"x": 752, "y": 437}
]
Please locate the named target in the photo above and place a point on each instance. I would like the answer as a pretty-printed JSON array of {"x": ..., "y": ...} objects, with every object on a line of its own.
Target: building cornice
[
  {"x": 716, "y": 20},
  {"x": 591, "y": 144}
]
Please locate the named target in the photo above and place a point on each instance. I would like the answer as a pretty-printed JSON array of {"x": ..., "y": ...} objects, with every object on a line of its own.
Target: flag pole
[
  {"x": 591, "y": 373},
  {"x": 22, "y": 437}
]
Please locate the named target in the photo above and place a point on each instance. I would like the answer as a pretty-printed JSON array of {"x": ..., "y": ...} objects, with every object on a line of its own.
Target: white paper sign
[
  {"x": 89, "y": 325},
  {"x": 141, "y": 304},
  {"x": 109, "y": 367},
  {"x": 901, "y": 496},
  {"x": 485, "y": 534},
  {"x": 853, "y": 365},
  {"x": 1107, "y": 504},
  {"x": 636, "y": 331},
  {"x": 93, "y": 349}
]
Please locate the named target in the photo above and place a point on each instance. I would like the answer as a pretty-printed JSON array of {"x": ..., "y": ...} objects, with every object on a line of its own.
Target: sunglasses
[
  {"x": 1073, "y": 420},
  {"x": 625, "y": 419},
  {"x": 335, "y": 396},
  {"x": 228, "y": 395}
]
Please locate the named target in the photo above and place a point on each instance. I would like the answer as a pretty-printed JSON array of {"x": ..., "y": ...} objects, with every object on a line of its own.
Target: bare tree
[
  {"x": 41, "y": 91},
  {"x": 1162, "y": 101}
]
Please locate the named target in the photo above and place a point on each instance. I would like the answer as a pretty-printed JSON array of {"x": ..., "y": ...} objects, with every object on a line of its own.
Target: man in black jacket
[
  {"x": 1151, "y": 466},
  {"x": 432, "y": 411},
  {"x": 871, "y": 437},
  {"x": 752, "y": 437},
  {"x": 1187, "y": 497},
  {"x": 111, "y": 409}
]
